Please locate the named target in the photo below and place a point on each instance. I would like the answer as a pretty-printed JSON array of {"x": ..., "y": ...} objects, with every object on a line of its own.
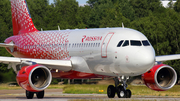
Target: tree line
[{"x": 159, "y": 24}]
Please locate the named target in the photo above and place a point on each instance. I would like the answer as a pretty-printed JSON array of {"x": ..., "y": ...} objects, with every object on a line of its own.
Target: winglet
[
  {"x": 122, "y": 25},
  {"x": 59, "y": 28}
]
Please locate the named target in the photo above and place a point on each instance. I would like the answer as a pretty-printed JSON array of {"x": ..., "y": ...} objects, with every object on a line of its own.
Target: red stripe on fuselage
[{"x": 74, "y": 75}]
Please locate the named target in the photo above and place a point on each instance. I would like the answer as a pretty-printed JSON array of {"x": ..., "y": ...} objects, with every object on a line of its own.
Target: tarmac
[{"x": 58, "y": 95}]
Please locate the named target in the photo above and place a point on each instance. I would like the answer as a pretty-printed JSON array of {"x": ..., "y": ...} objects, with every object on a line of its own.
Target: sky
[{"x": 81, "y": 2}]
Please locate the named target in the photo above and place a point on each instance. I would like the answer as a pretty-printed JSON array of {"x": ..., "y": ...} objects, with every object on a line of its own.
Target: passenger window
[
  {"x": 91, "y": 44},
  {"x": 120, "y": 43},
  {"x": 136, "y": 43},
  {"x": 126, "y": 43},
  {"x": 77, "y": 44},
  {"x": 85, "y": 44},
  {"x": 96, "y": 44},
  {"x": 145, "y": 43}
]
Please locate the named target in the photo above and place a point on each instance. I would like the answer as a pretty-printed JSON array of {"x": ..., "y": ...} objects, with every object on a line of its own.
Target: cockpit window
[
  {"x": 126, "y": 43},
  {"x": 136, "y": 43},
  {"x": 145, "y": 43},
  {"x": 120, "y": 43}
]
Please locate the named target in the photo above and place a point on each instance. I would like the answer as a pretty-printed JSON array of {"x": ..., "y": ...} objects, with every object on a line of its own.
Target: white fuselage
[
  {"x": 103, "y": 51},
  {"x": 98, "y": 47}
]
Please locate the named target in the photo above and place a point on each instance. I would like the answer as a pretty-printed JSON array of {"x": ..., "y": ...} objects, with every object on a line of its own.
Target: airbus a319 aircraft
[{"x": 82, "y": 54}]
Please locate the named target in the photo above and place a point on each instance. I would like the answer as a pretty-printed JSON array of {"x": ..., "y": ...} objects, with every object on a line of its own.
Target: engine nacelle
[
  {"x": 34, "y": 78},
  {"x": 160, "y": 78}
]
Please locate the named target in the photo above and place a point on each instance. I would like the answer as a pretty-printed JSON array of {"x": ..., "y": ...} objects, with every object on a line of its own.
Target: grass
[
  {"x": 102, "y": 89},
  {"x": 56, "y": 86},
  {"x": 6, "y": 87},
  {"x": 85, "y": 89},
  {"x": 136, "y": 90},
  {"x": 144, "y": 91}
]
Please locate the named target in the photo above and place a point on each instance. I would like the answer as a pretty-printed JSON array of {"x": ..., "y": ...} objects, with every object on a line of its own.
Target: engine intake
[
  {"x": 160, "y": 78},
  {"x": 34, "y": 78}
]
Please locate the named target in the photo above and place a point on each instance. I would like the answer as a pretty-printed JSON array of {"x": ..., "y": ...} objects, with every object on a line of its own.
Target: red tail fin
[{"x": 21, "y": 18}]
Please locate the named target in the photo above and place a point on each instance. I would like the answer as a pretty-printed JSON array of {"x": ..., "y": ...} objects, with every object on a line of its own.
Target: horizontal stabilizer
[{"x": 6, "y": 45}]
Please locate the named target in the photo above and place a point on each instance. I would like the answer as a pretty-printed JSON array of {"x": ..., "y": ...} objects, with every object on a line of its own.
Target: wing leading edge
[
  {"x": 164, "y": 58},
  {"x": 63, "y": 65}
]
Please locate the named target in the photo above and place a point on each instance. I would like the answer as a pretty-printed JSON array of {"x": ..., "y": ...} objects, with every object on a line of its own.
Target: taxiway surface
[{"x": 57, "y": 95}]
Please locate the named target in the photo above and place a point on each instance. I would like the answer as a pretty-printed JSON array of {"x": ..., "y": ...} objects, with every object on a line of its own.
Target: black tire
[
  {"x": 40, "y": 95},
  {"x": 121, "y": 93},
  {"x": 29, "y": 95},
  {"x": 128, "y": 93},
  {"x": 111, "y": 91}
]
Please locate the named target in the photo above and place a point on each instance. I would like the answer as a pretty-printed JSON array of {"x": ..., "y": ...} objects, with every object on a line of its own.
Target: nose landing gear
[{"x": 121, "y": 90}]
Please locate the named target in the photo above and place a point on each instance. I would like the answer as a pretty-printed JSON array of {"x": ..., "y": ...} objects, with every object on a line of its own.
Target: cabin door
[{"x": 105, "y": 44}]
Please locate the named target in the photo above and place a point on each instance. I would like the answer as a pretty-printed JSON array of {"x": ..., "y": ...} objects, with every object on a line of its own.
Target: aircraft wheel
[
  {"x": 40, "y": 95},
  {"x": 111, "y": 91},
  {"x": 121, "y": 93},
  {"x": 29, "y": 95},
  {"x": 128, "y": 93}
]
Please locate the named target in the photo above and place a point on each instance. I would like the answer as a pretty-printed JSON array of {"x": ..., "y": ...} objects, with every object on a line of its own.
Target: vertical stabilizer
[{"x": 21, "y": 19}]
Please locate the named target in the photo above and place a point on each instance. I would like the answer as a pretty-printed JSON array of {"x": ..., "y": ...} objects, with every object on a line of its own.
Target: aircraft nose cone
[{"x": 145, "y": 59}]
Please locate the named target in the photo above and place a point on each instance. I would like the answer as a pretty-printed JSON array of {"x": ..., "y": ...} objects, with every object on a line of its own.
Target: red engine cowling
[
  {"x": 34, "y": 78},
  {"x": 160, "y": 78}
]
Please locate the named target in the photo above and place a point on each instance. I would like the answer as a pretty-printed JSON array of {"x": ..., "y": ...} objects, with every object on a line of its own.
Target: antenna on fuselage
[
  {"x": 122, "y": 25},
  {"x": 58, "y": 28}
]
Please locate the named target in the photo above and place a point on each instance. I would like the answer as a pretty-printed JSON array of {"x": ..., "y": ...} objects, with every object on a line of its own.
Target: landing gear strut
[{"x": 121, "y": 90}]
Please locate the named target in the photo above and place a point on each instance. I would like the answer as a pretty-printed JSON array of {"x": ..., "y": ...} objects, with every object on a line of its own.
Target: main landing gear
[
  {"x": 121, "y": 90},
  {"x": 30, "y": 95}
]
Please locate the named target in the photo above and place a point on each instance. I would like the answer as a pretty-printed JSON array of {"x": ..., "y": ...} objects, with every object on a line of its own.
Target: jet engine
[
  {"x": 160, "y": 78},
  {"x": 34, "y": 78}
]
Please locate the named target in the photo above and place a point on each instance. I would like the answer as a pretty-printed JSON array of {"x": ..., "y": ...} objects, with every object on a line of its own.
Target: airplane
[{"x": 82, "y": 54}]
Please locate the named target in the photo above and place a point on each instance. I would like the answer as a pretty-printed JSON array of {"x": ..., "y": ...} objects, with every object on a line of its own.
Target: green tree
[
  {"x": 38, "y": 12},
  {"x": 126, "y": 8},
  {"x": 66, "y": 13},
  {"x": 82, "y": 16},
  {"x": 5, "y": 32},
  {"x": 140, "y": 7},
  {"x": 144, "y": 7},
  {"x": 113, "y": 17},
  {"x": 177, "y": 6},
  {"x": 170, "y": 4},
  {"x": 154, "y": 31}
]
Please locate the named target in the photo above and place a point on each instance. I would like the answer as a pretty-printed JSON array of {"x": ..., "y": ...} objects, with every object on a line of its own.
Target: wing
[
  {"x": 63, "y": 65},
  {"x": 167, "y": 57}
]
